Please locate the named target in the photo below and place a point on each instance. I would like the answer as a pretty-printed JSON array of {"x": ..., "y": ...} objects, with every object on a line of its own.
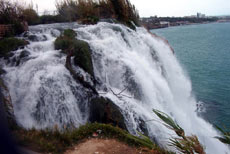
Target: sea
[{"x": 204, "y": 53}]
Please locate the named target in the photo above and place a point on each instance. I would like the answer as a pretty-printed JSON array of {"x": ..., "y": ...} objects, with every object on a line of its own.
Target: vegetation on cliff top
[
  {"x": 53, "y": 141},
  {"x": 89, "y": 11}
]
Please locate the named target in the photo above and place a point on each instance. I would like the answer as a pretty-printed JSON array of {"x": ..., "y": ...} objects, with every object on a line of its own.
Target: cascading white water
[{"x": 45, "y": 94}]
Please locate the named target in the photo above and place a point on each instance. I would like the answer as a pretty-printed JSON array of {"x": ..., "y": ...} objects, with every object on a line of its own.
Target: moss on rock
[
  {"x": 63, "y": 43},
  {"x": 69, "y": 33},
  {"x": 82, "y": 56},
  {"x": 81, "y": 50},
  {"x": 10, "y": 44},
  {"x": 66, "y": 40}
]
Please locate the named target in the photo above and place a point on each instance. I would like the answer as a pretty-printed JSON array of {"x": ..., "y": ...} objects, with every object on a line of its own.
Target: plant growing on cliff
[
  {"x": 225, "y": 138},
  {"x": 184, "y": 144},
  {"x": 49, "y": 141}
]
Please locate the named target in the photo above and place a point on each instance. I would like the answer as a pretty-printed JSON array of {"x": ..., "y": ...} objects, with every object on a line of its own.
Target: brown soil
[{"x": 105, "y": 146}]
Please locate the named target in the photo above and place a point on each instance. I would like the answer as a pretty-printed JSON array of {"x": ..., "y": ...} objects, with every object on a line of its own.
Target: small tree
[{"x": 31, "y": 16}]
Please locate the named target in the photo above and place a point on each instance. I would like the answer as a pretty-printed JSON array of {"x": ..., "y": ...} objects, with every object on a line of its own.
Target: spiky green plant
[
  {"x": 189, "y": 145},
  {"x": 169, "y": 122},
  {"x": 226, "y": 136},
  {"x": 185, "y": 144}
]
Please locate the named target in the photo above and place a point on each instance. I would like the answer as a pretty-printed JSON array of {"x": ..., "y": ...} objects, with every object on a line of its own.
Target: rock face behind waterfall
[{"x": 103, "y": 110}]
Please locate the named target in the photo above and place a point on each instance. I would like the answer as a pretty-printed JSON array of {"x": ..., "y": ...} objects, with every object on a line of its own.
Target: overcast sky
[{"x": 163, "y": 7}]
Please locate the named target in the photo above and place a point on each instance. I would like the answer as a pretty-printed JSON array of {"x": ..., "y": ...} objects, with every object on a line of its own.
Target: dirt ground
[{"x": 103, "y": 146}]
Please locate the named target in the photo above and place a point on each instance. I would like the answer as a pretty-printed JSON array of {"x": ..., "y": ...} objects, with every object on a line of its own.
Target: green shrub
[
  {"x": 66, "y": 40},
  {"x": 80, "y": 49},
  {"x": 89, "y": 11},
  {"x": 69, "y": 33},
  {"x": 10, "y": 44},
  {"x": 82, "y": 56},
  {"x": 63, "y": 43}
]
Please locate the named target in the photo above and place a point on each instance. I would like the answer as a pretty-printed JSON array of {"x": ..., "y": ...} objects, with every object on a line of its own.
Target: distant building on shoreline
[{"x": 200, "y": 15}]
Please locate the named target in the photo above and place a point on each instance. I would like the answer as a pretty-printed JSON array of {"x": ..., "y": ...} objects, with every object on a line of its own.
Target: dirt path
[{"x": 103, "y": 146}]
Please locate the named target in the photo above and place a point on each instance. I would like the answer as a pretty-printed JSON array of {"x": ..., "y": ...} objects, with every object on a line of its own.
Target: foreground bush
[{"x": 10, "y": 44}]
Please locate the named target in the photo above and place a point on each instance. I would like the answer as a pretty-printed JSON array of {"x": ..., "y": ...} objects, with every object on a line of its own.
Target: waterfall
[{"x": 136, "y": 70}]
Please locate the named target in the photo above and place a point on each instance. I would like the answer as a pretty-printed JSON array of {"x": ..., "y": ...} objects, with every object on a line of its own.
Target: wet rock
[
  {"x": 8, "y": 55},
  {"x": 143, "y": 126},
  {"x": 7, "y": 104},
  {"x": 2, "y": 71},
  {"x": 103, "y": 110},
  {"x": 55, "y": 33},
  {"x": 109, "y": 20},
  {"x": 25, "y": 34},
  {"x": 36, "y": 38},
  {"x": 24, "y": 54},
  {"x": 33, "y": 38}
]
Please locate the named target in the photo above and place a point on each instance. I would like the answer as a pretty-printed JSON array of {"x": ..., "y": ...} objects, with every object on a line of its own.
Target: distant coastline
[
  {"x": 165, "y": 22},
  {"x": 190, "y": 24}
]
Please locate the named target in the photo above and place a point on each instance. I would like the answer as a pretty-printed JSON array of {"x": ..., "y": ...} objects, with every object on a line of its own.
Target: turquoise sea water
[{"x": 204, "y": 52}]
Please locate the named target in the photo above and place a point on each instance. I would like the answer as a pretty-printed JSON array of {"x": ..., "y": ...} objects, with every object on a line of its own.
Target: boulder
[
  {"x": 24, "y": 54},
  {"x": 103, "y": 110},
  {"x": 35, "y": 38}
]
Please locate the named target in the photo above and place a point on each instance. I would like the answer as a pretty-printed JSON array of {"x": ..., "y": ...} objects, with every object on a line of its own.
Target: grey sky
[{"x": 164, "y": 7}]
